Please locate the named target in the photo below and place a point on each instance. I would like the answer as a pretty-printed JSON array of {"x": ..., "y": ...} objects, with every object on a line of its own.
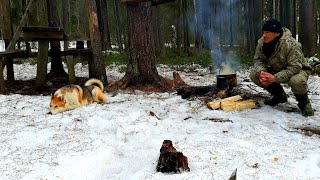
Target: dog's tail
[{"x": 95, "y": 82}]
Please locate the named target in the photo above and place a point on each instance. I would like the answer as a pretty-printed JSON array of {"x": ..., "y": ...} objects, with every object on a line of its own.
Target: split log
[
  {"x": 217, "y": 103},
  {"x": 238, "y": 105}
]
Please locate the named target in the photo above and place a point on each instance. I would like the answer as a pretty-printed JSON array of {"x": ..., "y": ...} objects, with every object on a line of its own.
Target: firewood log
[
  {"x": 238, "y": 105},
  {"x": 216, "y": 104}
]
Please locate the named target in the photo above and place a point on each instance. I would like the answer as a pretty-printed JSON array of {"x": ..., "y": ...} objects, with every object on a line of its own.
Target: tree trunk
[
  {"x": 157, "y": 29},
  {"x": 178, "y": 25},
  {"x": 197, "y": 17},
  {"x": 98, "y": 65},
  {"x": 270, "y": 9},
  {"x": 118, "y": 25},
  {"x": 307, "y": 33},
  {"x": 7, "y": 35},
  {"x": 57, "y": 69},
  {"x": 141, "y": 68},
  {"x": 103, "y": 24},
  {"x": 294, "y": 19},
  {"x": 250, "y": 27},
  {"x": 186, "y": 41},
  {"x": 285, "y": 11},
  {"x": 257, "y": 20},
  {"x": 205, "y": 23}
]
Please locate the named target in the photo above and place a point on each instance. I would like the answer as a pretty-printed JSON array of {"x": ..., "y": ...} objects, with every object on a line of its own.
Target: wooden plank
[
  {"x": 10, "y": 53},
  {"x": 42, "y": 33},
  {"x": 238, "y": 105},
  {"x": 217, "y": 103},
  {"x": 26, "y": 54}
]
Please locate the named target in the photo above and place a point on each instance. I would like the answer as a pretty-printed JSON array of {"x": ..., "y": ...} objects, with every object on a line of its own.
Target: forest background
[{"x": 183, "y": 31}]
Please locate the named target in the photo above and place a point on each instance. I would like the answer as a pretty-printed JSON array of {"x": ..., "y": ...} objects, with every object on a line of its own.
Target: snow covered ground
[{"x": 121, "y": 139}]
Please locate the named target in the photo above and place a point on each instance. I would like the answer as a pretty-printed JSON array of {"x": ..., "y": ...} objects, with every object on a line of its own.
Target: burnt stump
[{"x": 171, "y": 160}]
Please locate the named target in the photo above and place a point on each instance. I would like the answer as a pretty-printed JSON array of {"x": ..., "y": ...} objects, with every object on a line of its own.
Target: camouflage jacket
[{"x": 286, "y": 61}]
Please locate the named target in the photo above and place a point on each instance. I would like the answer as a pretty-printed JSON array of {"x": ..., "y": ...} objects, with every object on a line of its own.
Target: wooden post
[
  {"x": 71, "y": 72},
  {"x": 42, "y": 63},
  {"x": 2, "y": 84}
]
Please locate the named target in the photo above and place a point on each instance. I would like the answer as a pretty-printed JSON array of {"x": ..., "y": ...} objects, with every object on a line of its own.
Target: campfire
[{"x": 223, "y": 95}]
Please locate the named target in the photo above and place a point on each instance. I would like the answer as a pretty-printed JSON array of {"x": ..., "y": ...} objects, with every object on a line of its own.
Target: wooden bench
[{"x": 43, "y": 35}]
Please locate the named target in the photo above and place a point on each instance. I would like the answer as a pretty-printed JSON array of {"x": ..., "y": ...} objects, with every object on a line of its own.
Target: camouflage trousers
[{"x": 297, "y": 83}]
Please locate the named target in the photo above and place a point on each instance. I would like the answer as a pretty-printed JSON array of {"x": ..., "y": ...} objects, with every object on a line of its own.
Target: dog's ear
[
  {"x": 51, "y": 96},
  {"x": 62, "y": 99}
]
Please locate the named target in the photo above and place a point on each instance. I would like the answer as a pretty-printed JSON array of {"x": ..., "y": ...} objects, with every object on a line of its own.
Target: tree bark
[
  {"x": 141, "y": 68},
  {"x": 98, "y": 65}
]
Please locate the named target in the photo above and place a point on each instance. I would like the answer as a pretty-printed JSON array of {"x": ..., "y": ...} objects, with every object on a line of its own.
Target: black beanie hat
[{"x": 272, "y": 25}]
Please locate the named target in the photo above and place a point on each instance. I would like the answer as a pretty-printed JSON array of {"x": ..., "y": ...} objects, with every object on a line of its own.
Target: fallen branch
[{"x": 218, "y": 120}]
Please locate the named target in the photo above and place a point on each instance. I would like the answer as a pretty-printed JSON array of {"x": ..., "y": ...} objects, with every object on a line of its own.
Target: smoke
[
  {"x": 226, "y": 69},
  {"x": 216, "y": 22}
]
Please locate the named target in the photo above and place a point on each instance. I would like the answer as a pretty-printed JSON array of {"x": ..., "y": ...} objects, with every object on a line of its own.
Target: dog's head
[{"x": 57, "y": 104}]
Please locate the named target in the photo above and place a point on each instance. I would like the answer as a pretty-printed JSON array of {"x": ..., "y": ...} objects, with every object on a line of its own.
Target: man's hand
[{"x": 266, "y": 78}]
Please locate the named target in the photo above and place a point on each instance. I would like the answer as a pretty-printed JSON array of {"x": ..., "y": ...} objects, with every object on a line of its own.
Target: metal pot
[{"x": 226, "y": 81}]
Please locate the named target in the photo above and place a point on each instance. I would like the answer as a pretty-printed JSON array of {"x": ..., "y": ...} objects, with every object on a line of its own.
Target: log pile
[
  {"x": 233, "y": 103},
  {"x": 171, "y": 160}
]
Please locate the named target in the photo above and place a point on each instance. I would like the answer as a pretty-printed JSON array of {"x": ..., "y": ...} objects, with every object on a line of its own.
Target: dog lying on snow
[{"x": 73, "y": 96}]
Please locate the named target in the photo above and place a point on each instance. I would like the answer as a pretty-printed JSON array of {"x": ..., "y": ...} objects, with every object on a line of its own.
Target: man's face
[{"x": 269, "y": 36}]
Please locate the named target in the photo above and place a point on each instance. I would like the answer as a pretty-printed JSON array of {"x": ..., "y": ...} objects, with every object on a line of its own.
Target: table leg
[{"x": 42, "y": 63}]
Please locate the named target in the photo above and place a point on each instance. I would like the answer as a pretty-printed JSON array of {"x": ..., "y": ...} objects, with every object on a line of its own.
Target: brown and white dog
[{"x": 73, "y": 96}]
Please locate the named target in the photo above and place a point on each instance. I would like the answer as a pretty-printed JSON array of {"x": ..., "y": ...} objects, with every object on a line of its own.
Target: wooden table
[{"x": 43, "y": 35}]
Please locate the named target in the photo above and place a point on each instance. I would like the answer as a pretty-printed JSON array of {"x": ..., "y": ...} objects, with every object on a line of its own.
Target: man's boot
[
  {"x": 304, "y": 104},
  {"x": 277, "y": 93}
]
